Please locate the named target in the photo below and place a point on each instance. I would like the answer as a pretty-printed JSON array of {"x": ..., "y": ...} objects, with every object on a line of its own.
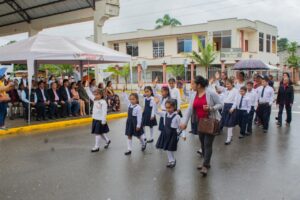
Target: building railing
[{"x": 158, "y": 53}]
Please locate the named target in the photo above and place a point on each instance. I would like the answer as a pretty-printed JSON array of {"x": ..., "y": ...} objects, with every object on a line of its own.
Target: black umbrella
[{"x": 250, "y": 64}]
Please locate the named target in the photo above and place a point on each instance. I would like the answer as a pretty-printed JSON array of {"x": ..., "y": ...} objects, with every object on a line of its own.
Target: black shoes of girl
[
  {"x": 144, "y": 146},
  {"x": 171, "y": 164},
  {"x": 95, "y": 150},
  {"x": 150, "y": 141},
  {"x": 127, "y": 153},
  {"x": 107, "y": 144},
  {"x": 228, "y": 142}
]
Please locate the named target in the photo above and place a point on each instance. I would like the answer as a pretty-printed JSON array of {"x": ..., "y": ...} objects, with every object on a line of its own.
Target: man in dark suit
[
  {"x": 66, "y": 98},
  {"x": 55, "y": 101},
  {"x": 42, "y": 101},
  {"x": 285, "y": 98}
]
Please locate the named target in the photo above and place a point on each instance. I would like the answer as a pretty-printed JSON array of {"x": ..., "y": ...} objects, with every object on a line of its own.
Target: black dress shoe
[
  {"x": 227, "y": 142},
  {"x": 150, "y": 141},
  {"x": 241, "y": 136},
  {"x": 127, "y": 153},
  {"x": 265, "y": 130},
  {"x": 107, "y": 144},
  {"x": 172, "y": 164},
  {"x": 144, "y": 146},
  {"x": 204, "y": 171},
  {"x": 200, "y": 153},
  {"x": 95, "y": 150}
]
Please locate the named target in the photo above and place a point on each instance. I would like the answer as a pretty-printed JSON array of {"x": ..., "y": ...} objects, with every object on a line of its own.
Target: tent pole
[
  {"x": 88, "y": 77},
  {"x": 131, "y": 78},
  {"x": 81, "y": 69}
]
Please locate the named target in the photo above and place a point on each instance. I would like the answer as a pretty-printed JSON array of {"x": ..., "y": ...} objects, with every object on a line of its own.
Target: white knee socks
[
  {"x": 171, "y": 157},
  {"x": 97, "y": 141},
  {"x": 142, "y": 139},
  {"x": 151, "y": 133},
  {"x": 104, "y": 137},
  {"x": 129, "y": 144},
  {"x": 229, "y": 134}
]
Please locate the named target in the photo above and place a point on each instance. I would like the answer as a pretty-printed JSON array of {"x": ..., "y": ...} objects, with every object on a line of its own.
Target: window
[
  {"x": 261, "y": 42},
  {"x": 202, "y": 39},
  {"x": 116, "y": 46},
  {"x": 184, "y": 45},
  {"x": 222, "y": 39},
  {"x": 132, "y": 48},
  {"x": 274, "y": 46},
  {"x": 268, "y": 43},
  {"x": 158, "y": 48}
]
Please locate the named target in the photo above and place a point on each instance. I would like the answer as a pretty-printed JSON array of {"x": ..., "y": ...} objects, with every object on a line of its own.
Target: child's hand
[
  {"x": 152, "y": 118},
  {"x": 231, "y": 110},
  {"x": 138, "y": 129},
  {"x": 156, "y": 100},
  {"x": 184, "y": 138},
  {"x": 87, "y": 84}
]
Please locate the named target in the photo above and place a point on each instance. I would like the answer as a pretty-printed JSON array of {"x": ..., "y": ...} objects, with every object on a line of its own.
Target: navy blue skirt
[
  {"x": 167, "y": 141},
  {"x": 147, "y": 121},
  {"x": 161, "y": 124},
  {"x": 228, "y": 119},
  {"x": 98, "y": 128}
]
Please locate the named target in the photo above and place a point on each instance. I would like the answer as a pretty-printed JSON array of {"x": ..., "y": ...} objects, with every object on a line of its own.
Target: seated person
[
  {"x": 42, "y": 101},
  {"x": 75, "y": 96},
  {"x": 66, "y": 98},
  {"x": 113, "y": 99},
  {"x": 84, "y": 96},
  {"x": 26, "y": 100},
  {"x": 15, "y": 103},
  {"x": 55, "y": 101}
]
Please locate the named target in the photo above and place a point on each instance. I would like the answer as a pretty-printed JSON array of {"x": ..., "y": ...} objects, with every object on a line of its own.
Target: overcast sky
[{"x": 141, "y": 14}]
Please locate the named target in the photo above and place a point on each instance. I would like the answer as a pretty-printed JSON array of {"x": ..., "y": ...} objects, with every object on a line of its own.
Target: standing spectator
[
  {"x": 204, "y": 103},
  {"x": 66, "y": 98},
  {"x": 285, "y": 98},
  {"x": 223, "y": 80},
  {"x": 84, "y": 96},
  {"x": 112, "y": 99},
  {"x": 42, "y": 101},
  {"x": 93, "y": 85},
  {"x": 51, "y": 80},
  {"x": 271, "y": 81},
  {"x": 55, "y": 101},
  {"x": 77, "y": 75},
  {"x": 265, "y": 99},
  {"x": 4, "y": 98},
  {"x": 14, "y": 103},
  {"x": 26, "y": 100},
  {"x": 24, "y": 80},
  {"x": 75, "y": 96}
]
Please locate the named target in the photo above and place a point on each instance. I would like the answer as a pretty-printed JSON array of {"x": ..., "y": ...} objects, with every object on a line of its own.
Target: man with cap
[{"x": 265, "y": 101}]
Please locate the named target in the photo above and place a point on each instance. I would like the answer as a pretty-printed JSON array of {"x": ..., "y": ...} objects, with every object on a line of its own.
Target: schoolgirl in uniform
[
  {"x": 99, "y": 124},
  {"x": 229, "y": 119},
  {"x": 149, "y": 118},
  {"x": 134, "y": 121},
  {"x": 168, "y": 138},
  {"x": 242, "y": 105},
  {"x": 162, "y": 99}
]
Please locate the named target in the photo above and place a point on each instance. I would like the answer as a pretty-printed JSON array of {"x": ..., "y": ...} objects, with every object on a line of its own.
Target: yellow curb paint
[{"x": 61, "y": 124}]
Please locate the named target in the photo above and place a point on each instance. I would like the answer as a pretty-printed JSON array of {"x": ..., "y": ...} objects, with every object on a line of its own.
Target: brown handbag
[{"x": 208, "y": 126}]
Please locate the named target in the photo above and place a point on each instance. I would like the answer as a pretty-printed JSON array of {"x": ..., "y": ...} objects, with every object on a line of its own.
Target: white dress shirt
[
  {"x": 246, "y": 103},
  {"x": 230, "y": 95},
  {"x": 252, "y": 95},
  {"x": 24, "y": 99},
  {"x": 176, "y": 121},
  {"x": 68, "y": 93},
  {"x": 267, "y": 96},
  {"x": 99, "y": 107},
  {"x": 43, "y": 94},
  {"x": 137, "y": 110},
  {"x": 238, "y": 85}
]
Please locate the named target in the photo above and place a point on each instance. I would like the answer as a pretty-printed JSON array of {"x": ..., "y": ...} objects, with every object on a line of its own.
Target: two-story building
[{"x": 232, "y": 39}]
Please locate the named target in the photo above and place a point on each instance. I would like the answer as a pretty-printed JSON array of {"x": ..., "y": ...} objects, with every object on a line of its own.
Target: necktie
[
  {"x": 241, "y": 102},
  {"x": 263, "y": 91}
]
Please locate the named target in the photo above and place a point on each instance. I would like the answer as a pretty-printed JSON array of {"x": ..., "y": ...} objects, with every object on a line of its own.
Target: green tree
[
  {"x": 125, "y": 73},
  {"x": 58, "y": 70},
  {"x": 167, "y": 21},
  {"x": 204, "y": 56},
  {"x": 282, "y": 44},
  {"x": 117, "y": 72},
  {"x": 18, "y": 67},
  {"x": 293, "y": 59},
  {"x": 176, "y": 70}
]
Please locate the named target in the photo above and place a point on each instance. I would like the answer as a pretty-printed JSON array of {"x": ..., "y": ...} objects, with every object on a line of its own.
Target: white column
[{"x": 32, "y": 31}]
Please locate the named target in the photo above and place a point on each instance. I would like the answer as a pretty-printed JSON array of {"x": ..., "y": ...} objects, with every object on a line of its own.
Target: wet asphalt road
[{"x": 58, "y": 165}]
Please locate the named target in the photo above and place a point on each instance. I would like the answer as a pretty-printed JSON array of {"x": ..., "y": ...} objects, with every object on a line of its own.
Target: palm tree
[
  {"x": 205, "y": 55},
  {"x": 167, "y": 21},
  {"x": 176, "y": 70},
  {"x": 293, "y": 59},
  {"x": 117, "y": 72}
]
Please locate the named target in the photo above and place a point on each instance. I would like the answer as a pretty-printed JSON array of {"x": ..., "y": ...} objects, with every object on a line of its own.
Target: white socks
[
  {"x": 104, "y": 137},
  {"x": 151, "y": 133},
  {"x": 229, "y": 134},
  {"x": 142, "y": 139},
  {"x": 129, "y": 144},
  {"x": 171, "y": 157},
  {"x": 97, "y": 141}
]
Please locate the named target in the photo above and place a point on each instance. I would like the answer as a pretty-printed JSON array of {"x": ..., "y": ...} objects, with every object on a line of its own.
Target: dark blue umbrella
[{"x": 250, "y": 64}]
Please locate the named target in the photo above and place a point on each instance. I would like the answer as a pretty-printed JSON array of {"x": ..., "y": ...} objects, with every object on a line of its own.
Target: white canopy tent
[{"x": 46, "y": 49}]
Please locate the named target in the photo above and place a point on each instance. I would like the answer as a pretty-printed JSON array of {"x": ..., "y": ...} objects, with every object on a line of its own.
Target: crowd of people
[
  {"x": 51, "y": 99},
  {"x": 232, "y": 102}
]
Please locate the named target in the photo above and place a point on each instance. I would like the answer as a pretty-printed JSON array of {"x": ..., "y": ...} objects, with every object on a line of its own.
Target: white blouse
[
  {"x": 137, "y": 110},
  {"x": 99, "y": 107},
  {"x": 253, "y": 97},
  {"x": 267, "y": 96},
  {"x": 230, "y": 95},
  {"x": 176, "y": 120},
  {"x": 246, "y": 103}
]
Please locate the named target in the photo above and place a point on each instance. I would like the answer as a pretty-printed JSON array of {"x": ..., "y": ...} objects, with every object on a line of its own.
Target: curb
[{"x": 61, "y": 124}]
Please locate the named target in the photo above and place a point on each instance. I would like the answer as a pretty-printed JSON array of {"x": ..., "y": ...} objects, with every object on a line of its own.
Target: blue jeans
[
  {"x": 3, "y": 112},
  {"x": 73, "y": 107}
]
